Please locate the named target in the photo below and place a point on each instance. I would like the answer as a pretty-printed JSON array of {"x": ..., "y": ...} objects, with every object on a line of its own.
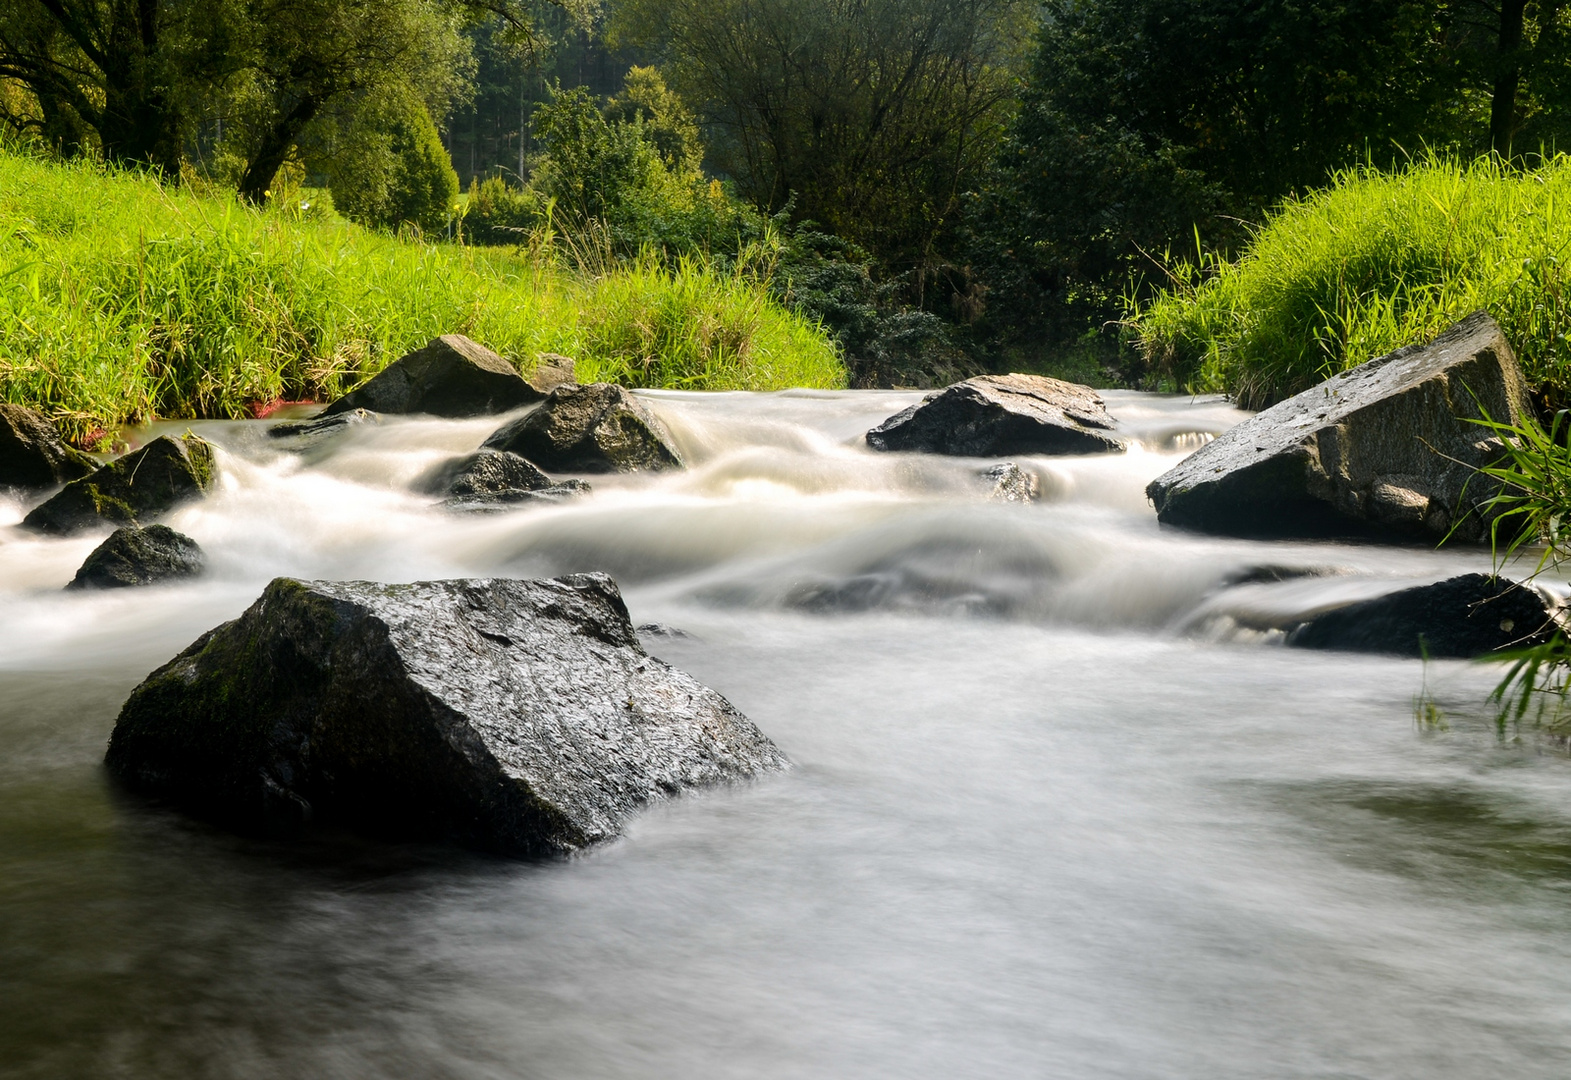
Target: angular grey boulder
[
  {"x": 521, "y": 717},
  {"x": 139, "y": 556},
  {"x": 1459, "y": 618},
  {"x": 553, "y": 370},
  {"x": 993, "y": 415},
  {"x": 596, "y": 428},
  {"x": 131, "y": 490},
  {"x": 450, "y": 376},
  {"x": 495, "y": 480},
  {"x": 32, "y": 454},
  {"x": 1383, "y": 449}
]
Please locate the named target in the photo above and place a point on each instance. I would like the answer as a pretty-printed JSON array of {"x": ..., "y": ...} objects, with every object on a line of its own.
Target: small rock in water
[
  {"x": 496, "y": 480},
  {"x": 1385, "y": 449},
  {"x": 654, "y": 629},
  {"x": 553, "y": 370},
  {"x": 139, "y": 556},
  {"x": 32, "y": 454},
  {"x": 521, "y": 717},
  {"x": 131, "y": 490},
  {"x": 596, "y": 428},
  {"x": 308, "y": 435},
  {"x": 450, "y": 376},
  {"x": 992, "y": 415},
  {"x": 1008, "y": 482},
  {"x": 1459, "y": 618}
]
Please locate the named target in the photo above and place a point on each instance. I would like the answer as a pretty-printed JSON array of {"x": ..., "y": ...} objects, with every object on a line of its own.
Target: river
[{"x": 1062, "y": 806}]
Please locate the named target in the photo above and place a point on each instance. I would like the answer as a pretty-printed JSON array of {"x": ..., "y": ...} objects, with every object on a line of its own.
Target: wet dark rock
[
  {"x": 132, "y": 490},
  {"x": 1461, "y": 617},
  {"x": 451, "y": 376},
  {"x": 1008, "y": 482},
  {"x": 496, "y": 480},
  {"x": 139, "y": 556},
  {"x": 32, "y": 454},
  {"x": 305, "y": 436},
  {"x": 591, "y": 429},
  {"x": 992, "y": 415},
  {"x": 654, "y": 629},
  {"x": 553, "y": 370},
  {"x": 521, "y": 717},
  {"x": 1382, "y": 450}
]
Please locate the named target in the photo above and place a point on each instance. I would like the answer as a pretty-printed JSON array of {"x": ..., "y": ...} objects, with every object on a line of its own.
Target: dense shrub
[
  {"x": 420, "y": 187},
  {"x": 1376, "y": 261}
]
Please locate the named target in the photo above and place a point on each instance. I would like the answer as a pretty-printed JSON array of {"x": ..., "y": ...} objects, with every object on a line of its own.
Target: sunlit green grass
[
  {"x": 121, "y": 300},
  {"x": 1373, "y": 262}
]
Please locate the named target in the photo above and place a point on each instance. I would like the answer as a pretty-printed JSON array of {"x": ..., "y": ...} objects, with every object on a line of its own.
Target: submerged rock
[
  {"x": 1458, "y": 618},
  {"x": 522, "y": 717},
  {"x": 1008, "y": 482},
  {"x": 992, "y": 415},
  {"x": 593, "y": 429},
  {"x": 450, "y": 376},
  {"x": 131, "y": 490},
  {"x": 139, "y": 556},
  {"x": 1384, "y": 449},
  {"x": 496, "y": 480},
  {"x": 32, "y": 454},
  {"x": 304, "y": 436}
]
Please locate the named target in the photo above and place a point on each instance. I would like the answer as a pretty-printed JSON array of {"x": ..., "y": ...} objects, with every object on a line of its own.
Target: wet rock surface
[
  {"x": 553, "y": 370},
  {"x": 132, "y": 490},
  {"x": 451, "y": 376},
  {"x": 596, "y": 428},
  {"x": 1008, "y": 482},
  {"x": 1384, "y": 450},
  {"x": 993, "y": 415},
  {"x": 496, "y": 480},
  {"x": 1459, "y": 618},
  {"x": 33, "y": 456},
  {"x": 309, "y": 436},
  {"x": 139, "y": 556},
  {"x": 521, "y": 717}
]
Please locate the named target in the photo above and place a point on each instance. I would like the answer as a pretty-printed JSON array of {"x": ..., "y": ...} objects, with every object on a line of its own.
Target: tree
[
  {"x": 871, "y": 117},
  {"x": 1517, "y": 53}
]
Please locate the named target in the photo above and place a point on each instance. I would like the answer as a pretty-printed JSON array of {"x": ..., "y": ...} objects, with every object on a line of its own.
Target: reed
[
  {"x": 121, "y": 300},
  {"x": 1375, "y": 261}
]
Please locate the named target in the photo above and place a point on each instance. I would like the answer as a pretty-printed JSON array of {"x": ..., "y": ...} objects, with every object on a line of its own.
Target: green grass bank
[
  {"x": 121, "y": 300},
  {"x": 1375, "y": 261}
]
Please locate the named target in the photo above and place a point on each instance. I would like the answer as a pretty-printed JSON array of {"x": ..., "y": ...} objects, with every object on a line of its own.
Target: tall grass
[
  {"x": 121, "y": 300},
  {"x": 1375, "y": 261}
]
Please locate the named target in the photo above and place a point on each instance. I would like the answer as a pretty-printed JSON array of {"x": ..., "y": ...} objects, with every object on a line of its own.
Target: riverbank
[{"x": 122, "y": 300}]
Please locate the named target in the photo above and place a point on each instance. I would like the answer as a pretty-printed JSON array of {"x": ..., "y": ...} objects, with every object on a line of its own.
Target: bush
[
  {"x": 420, "y": 188},
  {"x": 125, "y": 300},
  {"x": 1376, "y": 261},
  {"x": 498, "y": 213}
]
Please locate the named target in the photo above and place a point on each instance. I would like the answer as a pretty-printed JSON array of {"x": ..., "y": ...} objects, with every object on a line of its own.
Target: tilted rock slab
[
  {"x": 1384, "y": 448},
  {"x": 595, "y": 428},
  {"x": 1459, "y": 618},
  {"x": 994, "y": 415},
  {"x": 139, "y": 556},
  {"x": 131, "y": 490},
  {"x": 32, "y": 454},
  {"x": 451, "y": 376},
  {"x": 521, "y": 717}
]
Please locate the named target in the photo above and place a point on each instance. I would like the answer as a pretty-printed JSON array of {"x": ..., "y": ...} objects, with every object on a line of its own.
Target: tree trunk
[
  {"x": 1502, "y": 109},
  {"x": 263, "y": 165}
]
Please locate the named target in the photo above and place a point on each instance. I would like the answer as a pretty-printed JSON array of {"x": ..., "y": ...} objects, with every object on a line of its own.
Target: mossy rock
[
  {"x": 132, "y": 490},
  {"x": 32, "y": 454}
]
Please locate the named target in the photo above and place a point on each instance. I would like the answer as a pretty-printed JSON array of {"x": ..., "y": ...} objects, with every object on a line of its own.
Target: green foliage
[
  {"x": 419, "y": 186},
  {"x": 668, "y": 124},
  {"x": 499, "y": 213},
  {"x": 1376, "y": 261},
  {"x": 121, "y": 300}
]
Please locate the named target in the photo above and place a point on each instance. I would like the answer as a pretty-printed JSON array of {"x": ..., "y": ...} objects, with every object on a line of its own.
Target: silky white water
[{"x": 1063, "y": 804}]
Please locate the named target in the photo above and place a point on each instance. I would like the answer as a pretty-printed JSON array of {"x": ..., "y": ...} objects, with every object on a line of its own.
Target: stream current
[{"x": 1062, "y": 806}]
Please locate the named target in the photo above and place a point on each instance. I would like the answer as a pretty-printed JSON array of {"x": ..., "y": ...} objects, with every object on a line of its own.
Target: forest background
[{"x": 945, "y": 186}]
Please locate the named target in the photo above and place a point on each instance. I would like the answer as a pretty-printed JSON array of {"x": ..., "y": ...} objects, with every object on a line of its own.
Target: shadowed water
[{"x": 1063, "y": 806}]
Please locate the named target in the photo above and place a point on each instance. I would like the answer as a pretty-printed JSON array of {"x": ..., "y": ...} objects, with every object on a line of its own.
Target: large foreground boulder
[
  {"x": 993, "y": 415},
  {"x": 1458, "y": 618},
  {"x": 522, "y": 717},
  {"x": 32, "y": 454},
  {"x": 451, "y": 376},
  {"x": 596, "y": 428},
  {"x": 495, "y": 479},
  {"x": 131, "y": 490},
  {"x": 139, "y": 556},
  {"x": 1383, "y": 449}
]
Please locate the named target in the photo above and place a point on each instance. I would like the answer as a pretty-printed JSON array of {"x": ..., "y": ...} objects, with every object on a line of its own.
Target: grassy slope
[
  {"x": 1374, "y": 262},
  {"x": 121, "y": 300}
]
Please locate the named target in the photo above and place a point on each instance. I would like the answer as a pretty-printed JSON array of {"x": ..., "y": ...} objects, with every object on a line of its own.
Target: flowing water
[{"x": 1063, "y": 804}]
